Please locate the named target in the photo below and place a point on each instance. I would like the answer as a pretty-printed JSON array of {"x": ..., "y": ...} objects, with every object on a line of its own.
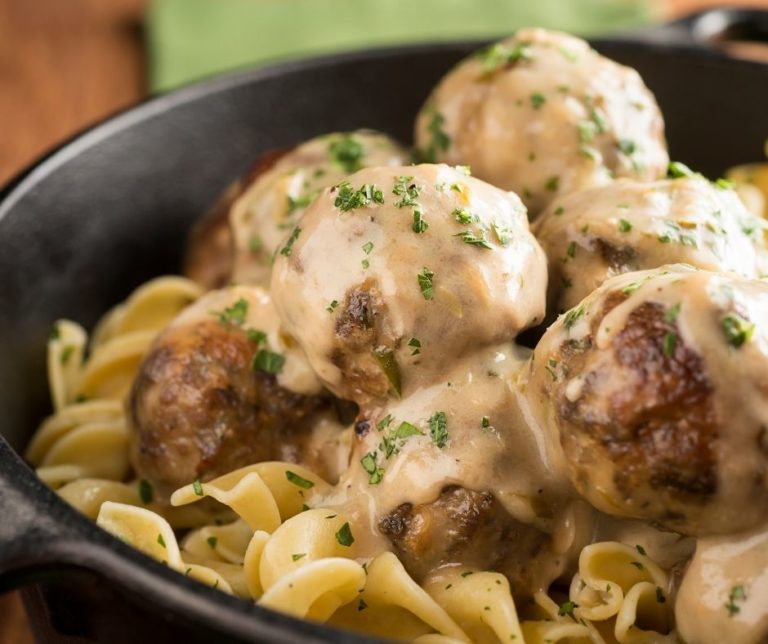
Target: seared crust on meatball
[
  {"x": 657, "y": 385},
  {"x": 221, "y": 388},
  {"x": 199, "y": 409},
  {"x": 472, "y": 528}
]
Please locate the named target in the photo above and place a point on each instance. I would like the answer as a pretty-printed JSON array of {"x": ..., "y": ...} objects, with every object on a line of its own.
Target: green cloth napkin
[{"x": 191, "y": 39}]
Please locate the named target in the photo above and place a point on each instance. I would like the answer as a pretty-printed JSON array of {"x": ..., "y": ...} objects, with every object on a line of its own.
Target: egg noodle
[{"x": 263, "y": 539}]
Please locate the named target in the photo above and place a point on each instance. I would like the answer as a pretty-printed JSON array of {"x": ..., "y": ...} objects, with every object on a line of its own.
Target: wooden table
[{"x": 67, "y": 64}]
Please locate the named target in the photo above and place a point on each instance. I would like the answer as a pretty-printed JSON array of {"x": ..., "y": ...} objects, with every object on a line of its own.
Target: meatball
[
  {"x": 594, "y": 234},
  {"x": 236, "y": 241},
  {"x": 458, "y": 474},
  {"x": 658, "y": 386},
  {"x": 543, "y": 114},
  {"x": 221, "y": 388},
  {"x": 474, "y": 529},
  {"x": 392, "y": 275}
]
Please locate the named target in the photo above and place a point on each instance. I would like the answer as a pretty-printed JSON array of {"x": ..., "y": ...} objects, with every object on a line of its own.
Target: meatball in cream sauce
[
  {"x": 658, "y": 386},
  {"x": 392, "y": 275},
  {"x": 543, "y": 114}
]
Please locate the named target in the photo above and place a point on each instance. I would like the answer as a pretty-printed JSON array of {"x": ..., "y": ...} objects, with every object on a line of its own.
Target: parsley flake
[
  {"x": 438, "y": 429},
  {"x": 197, "y": 486},
  {"x": 566, "y": 608},
  {"x": 537, "y": 100},
  {"x": 419, "y": 225},
  {"x": 624, "y": 226},
  {"x": 737, "y": 594},
  {"x": 146, "y": 493},
  {"x": 469, "y": 237},
  {"x": 298, "y": 555},
  {"x": 425, "y": 283},
  {"x": 212, "y": 541},
  {"x": 348, "y": 153},
  {"x": 299, "y": 481},
  {"x": 288, "y": 248},
  {"x": 415, "y": 344},
  {"x": 349, "y": 199},
  {"x": 268, "y": 361},
  {"x": 344, "y": 536},
  {"x": 738, "y": 330}
]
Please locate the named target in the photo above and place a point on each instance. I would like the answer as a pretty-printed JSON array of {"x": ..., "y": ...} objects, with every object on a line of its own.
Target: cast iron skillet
[{"x": 110, "y": 209}]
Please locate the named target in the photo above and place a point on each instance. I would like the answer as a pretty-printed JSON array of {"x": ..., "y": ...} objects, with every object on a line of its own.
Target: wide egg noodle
[{"x": 150, "y": 533}]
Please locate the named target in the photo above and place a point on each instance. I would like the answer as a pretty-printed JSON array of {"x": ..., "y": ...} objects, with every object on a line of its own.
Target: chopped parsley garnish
[
  {"x": 146, "y": 493},
  {"x": 587, "y": 131},
  {"x": 197, "y": 486},
  {"x": 347, "y": 152},
  {"x": 438, "y": 429},
  {"x": 571, "y": 251},
  {"x": 392, "y": 443},
  {"x": 627, "y": 146},
  {"x": 415, "y": 344},
  {"x": 670, "y": 316},
  {"x": 573, "y": 316},
  {"x": 551, "y": 368},
  {"x": 640, "y": 549},
  {"x": 371, "y": 467},
  {"x": 332, "y": 306},
  {"x": 344, "y": 536},
  {"x": 407, "y": 191},
  {"x": 160, "y": 540},
  {"x": 596, "y": 115},
  {"x": 675, "y": 169},
  {"x": 724, "y": 184},
  {"x": 737, "y": 594},
  {"x": 552, "y": 184},
  {"x": 55, "y": 334},
  {"x": 463, "y": 216},
  {"x": 286, "y": 250},
  {"x": 66, "y": 354},
  {"x": 566, "y": 281},
  {"x": 559, "y": 211},
  {"x": 387, "y": 360},
  {"x": 419, "y": 225},
  {"x": 212, "y": 541},
  {"x": 566, "y": 608},
  {"x": 467, "y": 573},
  {"x": 469, "y": 237},
  {"x": 637, "y": 565},
  {"x": 499, "y": 55},
  {"x": 365, "y": 263},
  {"x": 255, "y": 244},
  {"x": 268, "y": 361},
  {"x": 384, "y": 422},
  {"x": 367, "y": 247},
  {"x": 361, "y": 605},
  {"x": 669, "y": 344},
  {"x": 624, "y": 226},
  {"x": 300, "y": 481},
  {"x": 738, "y": 330},
  {"x": 503, "y": 233},
  {"x": 537, "y": 100},
  {"x": 298, "y": 555},
  {"x": 301, "y": 202},
  {"x": 234, "y": 314},
  {"x": 425, "y": 283},
  {"x": 256, "y": 336},
  {"x": 485, "y": 422},
  {"x": 440, "y": 139},
  {"x": 349, "y": 199}
]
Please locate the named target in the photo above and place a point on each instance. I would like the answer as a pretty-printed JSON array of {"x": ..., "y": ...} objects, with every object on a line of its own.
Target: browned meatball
[
  {"x": 219, "y": 390},
  {"x": 472, "y": 528},
  {"x": 658, "y": 386}
]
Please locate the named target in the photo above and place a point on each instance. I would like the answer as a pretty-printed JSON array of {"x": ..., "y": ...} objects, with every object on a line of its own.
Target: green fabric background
[{"x": 191, "y": 39}]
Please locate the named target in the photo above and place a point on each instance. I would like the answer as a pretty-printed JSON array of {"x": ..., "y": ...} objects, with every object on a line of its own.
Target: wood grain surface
[{"x": 65, "y": 64}]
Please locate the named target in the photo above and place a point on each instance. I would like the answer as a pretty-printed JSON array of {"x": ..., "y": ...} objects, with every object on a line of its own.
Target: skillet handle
[
  {"x": 709, "y": 28},
  {"x": 34, "y": 537}
]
